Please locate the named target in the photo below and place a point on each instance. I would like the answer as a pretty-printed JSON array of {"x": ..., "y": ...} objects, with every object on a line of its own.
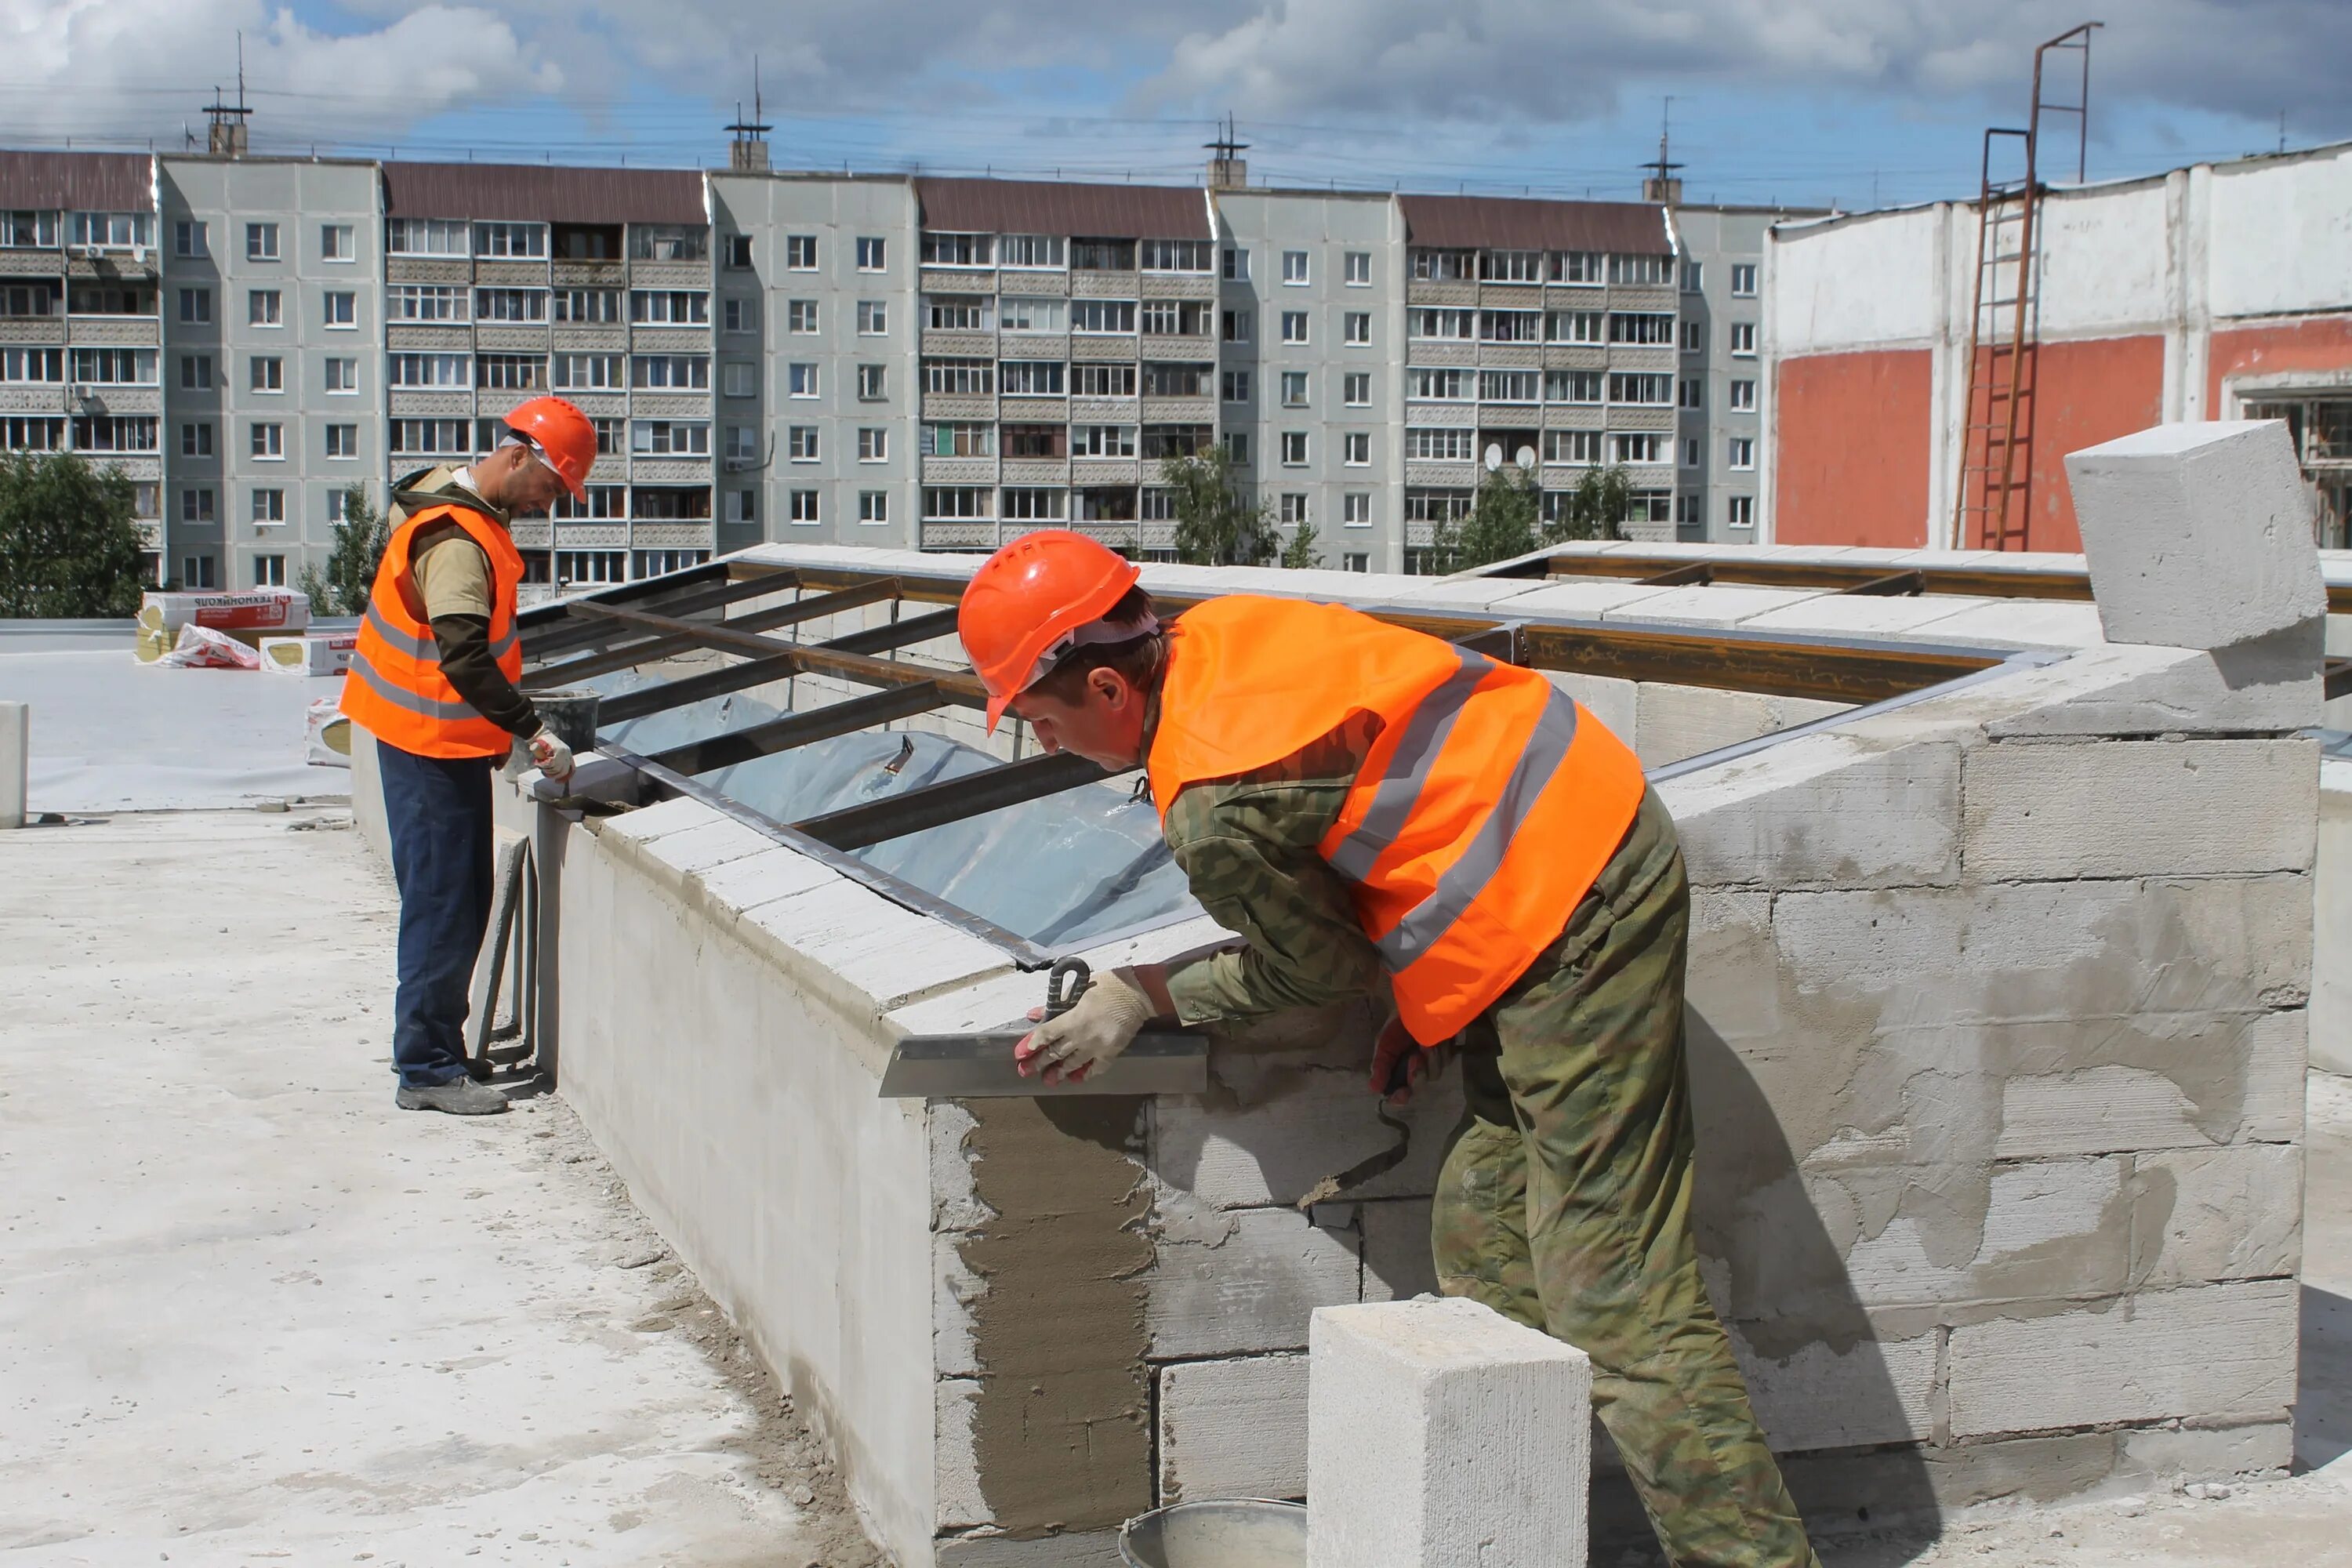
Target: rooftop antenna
[
  {"x": 748, "y": 153},
  {"x": 1664, "y": 186},
  {"x": 225, "y": 137},
  {"x": 1228, "y": 170},
  {"x": 2282, "y": 147}
]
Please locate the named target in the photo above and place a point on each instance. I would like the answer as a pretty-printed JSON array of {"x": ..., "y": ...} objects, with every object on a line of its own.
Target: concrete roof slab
[{"x": 1727, "y": 605}]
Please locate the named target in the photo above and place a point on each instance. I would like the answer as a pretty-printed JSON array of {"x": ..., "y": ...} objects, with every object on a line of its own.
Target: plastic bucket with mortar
[
  {"x": 571, "y": 712},
  {"x": 1238, "y": 1533}
]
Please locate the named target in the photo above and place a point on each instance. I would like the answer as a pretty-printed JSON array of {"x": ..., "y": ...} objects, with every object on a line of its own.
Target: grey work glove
[
  {"x": 549, "y": 754},
  {"x": 1102, "y": 1023}
]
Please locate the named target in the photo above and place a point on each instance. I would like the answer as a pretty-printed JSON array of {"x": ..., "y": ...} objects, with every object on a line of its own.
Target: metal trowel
[{"x": 980, "y": 1065}]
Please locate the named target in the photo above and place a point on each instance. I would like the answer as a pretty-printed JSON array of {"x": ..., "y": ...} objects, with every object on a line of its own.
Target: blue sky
[{"x": 1799, "y": 101}]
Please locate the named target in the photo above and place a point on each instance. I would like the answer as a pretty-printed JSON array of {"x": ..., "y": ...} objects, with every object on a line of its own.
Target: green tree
[
  {"x": 1215, "y": 524},
  {"x": 1505, "y": 519},
  {"x": 68, "y": 546},
  {"x": 343, "y": 588},
  {"x": 1301, "y": 553},
  {"x": 1596, "y": 509}
]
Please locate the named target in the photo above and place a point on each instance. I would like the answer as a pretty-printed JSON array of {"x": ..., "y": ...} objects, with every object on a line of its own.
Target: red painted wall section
[
  {"x": 2322, "y": 344},
  {"x": 2089, "y": 392},
  {"x": 1854, "y": 431}
]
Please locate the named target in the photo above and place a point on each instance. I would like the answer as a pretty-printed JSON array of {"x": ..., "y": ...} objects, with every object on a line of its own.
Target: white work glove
[
  {"x": 549, "y": 754},
  {"x": 1102, "y": 1023}
]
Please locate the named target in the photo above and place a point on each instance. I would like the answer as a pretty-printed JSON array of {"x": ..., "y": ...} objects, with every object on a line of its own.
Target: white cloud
[{"x": 124, "y": 70}]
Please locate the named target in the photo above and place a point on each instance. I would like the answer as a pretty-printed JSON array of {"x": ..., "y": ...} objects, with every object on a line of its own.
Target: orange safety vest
[
  {"x": 394, "y": 688},
  {"x": 1485, "y": 809}
]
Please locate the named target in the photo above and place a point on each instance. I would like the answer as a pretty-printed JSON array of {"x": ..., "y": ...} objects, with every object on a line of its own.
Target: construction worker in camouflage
[{"x": 1375, "y": 810}]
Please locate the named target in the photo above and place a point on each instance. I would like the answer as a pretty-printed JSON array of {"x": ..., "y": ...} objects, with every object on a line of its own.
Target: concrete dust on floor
[{"x": 251, "y": 1313}]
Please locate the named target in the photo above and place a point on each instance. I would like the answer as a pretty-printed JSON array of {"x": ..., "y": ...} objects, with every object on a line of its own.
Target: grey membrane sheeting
[{"x": 1072, "y": 867}]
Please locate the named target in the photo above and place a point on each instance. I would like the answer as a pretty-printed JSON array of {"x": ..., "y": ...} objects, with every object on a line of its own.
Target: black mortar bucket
[
  {"x": 571, "y": 714},
  {"x": 1237, "y": 1532}
]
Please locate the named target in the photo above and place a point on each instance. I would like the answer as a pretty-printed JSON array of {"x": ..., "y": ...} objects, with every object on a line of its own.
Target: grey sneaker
[{"x": 460, "y": 1097}]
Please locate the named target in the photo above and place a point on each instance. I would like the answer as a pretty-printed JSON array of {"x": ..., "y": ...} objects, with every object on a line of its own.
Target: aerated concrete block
[
  {"x": 1240, "y": 1281},
  {"x": 1233, "y": 1428},
  {"x": 1711, "y": 605},
  {"x": 2185, "y": 1082},
  {"x": 1616, "y": 703},
  {"x": 2139, "y": 808},
  {"x": 1873, "y": 1391},
  {"x": 1440, "y": 1433},
  {"x": 1822, "y": 810},
  {"x": 15, "y": 747},
  {"x": 2331, "y": 987},
  {"x": 652, "y": 822},
  {"x": 2199, "y": 535},
  {"x": 709, "y": 846},
  {"x": 2205, "y": 1215},
  {"x": 1678, "y": 721},
  {"x": 1270, "y": 1149},
  {"x": 1399, "y": 1263},
  {"x": 2213, "y": 1353}
]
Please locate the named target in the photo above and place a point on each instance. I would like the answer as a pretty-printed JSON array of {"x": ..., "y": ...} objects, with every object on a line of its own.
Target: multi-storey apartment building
[{"x": 882, "y": 359}]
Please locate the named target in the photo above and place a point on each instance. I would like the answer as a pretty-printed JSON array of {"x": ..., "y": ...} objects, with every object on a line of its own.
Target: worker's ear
[{"x": 1109, "y": 685}]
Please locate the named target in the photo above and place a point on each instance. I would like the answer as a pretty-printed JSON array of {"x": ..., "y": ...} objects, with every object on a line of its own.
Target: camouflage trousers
[{"x": 1564, "y": 1204}]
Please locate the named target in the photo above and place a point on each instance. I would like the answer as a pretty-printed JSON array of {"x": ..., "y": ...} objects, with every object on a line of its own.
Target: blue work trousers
[{"x": 438, "y": 811}]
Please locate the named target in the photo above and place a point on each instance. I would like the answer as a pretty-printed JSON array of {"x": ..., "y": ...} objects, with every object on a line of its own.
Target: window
[
  {"x": 742, "y": 506},
  {"x": 1426, "y": 444},
  {"x": 197, "y": 572},
  {"x": 1693, "y": 272},
  {"x": 268, "y": 507},
  {"x": 269, "y": 441},
  {"x": 1102, "y": 316},
  {"x": 32, "y": 366},
  {"x": 1356, "y": 389},
  {"x": 1739, "y": 512},
  {"x": 116, "y": 433},
  {"x": 1102, "y": 381},
  {"x": 197, "y": 439},
  {"x": 187, "y": 235},
  {"x": 959, "y": 377},
  {"x": 873, "y": 318},
  {"x": 431, "y": 438},
  {"x": 1159, "y": 441},
  {"x": 1294, "y": 449},
  {"x": 511, "y": 372},
  {"x": 1436, "y": 385},
  {"x": 1741, "y": 452},
  {"x": 1036, "y": 441},
  {"x": 268, "y": 373},
  {"x": 1691, "y": 452},
  {"x": 1292, "y": 508},
  {"x": 588, "y": 373},
  {"x": 1645, "y": 271},
  {"x": 678, "y": 307},
  {"x": 1236, "y": 387},
  {"x": 1102, "y": 255},
  {"x": 1356, "y": 449},
  {"x": 1743, "y": 397},
  {"x": 799, "y": 256},
  {"x": 873, "y": 254},
  {"x": 261, "y": 242},
  {"x": 268, "y": 570},
  {"x": 109, "y": 299},
  {"x": 527, "y": 240},
  {"x": 955, "y": 313},
  {"x": 1689, "y": 508},
  {"x": 196, "y": 307},
  {"x": 113, "y": 367},
  {"x": 1018, "y": 315},
  {"x": 1441, "y": 265},
  {"x": 608, "y": 436},
  {"x": 873, "y": 445},
  {"x": 1178, "y": 380},
  {"x": 668, "y": 242},
  {"x": 960, "y": 440},
  {"x": 1031, "y": 378},
  {"x": 668, "y": 439},
  {"x": 1694, "y": 337},
  {"x": 1036, "y": 505},
  {"x": 1574, "y": 326},
  {"x": 1580, "y": 447},
  {"x": 512, "y": 304},
  {"x": 1236, "y": 266},
  {"x": 341, "y": 309},
  {"x": 1177, "y": 255},
  {"x": 1692, "y": 394},
  {"x": 431, "y": 370},
  {"x": 197, "y": 505},
  {"x": 426, "y": 236},
  {"x": 740, "y": 444},
  {"x": 591, "y": 565},
  {"x": 342, "y": 440},
  {"x": 1356, "y": 511},
  {"x": 739, "y": 378},
  {"x": 948, "y": 250},
  {"x": 335, "y": 243},
  {"x": 1642, "y": 391},
  {"x": 1294, "y": 389},
  {"x": 800, "y": 316},
  {"x": 659, "y": 563},
  {"x": 800, "y": 506},
  {"x": 113, "y": 230},
  {"x": 874, "y": 383},
  {"x": 1102, "y": 441},
  {"x": 1436, "y": 506},
  {"x": 1743, "y": 280},
  {"x": 1640, "y": 327},
  {"x": 1358, "y": 327},
  {"x": 1034, "y": 250},
  {"x": 263, "y": 308},
  {"x": 739, "y": 251},
  {"x": 1294, "y": 326},
  {"x": 1237, "y": 326},
  {"x": 1507, "y": 386},
  {"x": 671, "y": 372},
  {"x": 800, "y": 444},
  {"x": 739, "y": 315},
  {"x": 1510, "y": 326},
  {"x": 1575, "y": 267},
  {"x": 1743, "y": 340},
  {"x": 1237, "y": 448},
  {"x": 1293, "y": 267},
  {"x": 196, "y": 373},
  {"x": 800, "y": 381},
  {"x": 340, "y": 375},
  {"x": 873, "y": 507},
  {"x": 1642, "y": 447},
  {"x": 601, "y": 305},
  {"x": 32, "y": 434},
  {"x": 953, "y": 501},
  {"x": 1356, "y": 267},
  {"x": 1510, "y": 265},
  {"x": 1447, "y": 325},
  {"x": 1177, "y": 318}
]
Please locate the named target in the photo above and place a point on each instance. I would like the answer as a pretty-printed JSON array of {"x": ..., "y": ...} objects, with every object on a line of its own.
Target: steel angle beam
[
  {"x": 1893, "y": 585},
  {"x": 1733, "y": 662},
  {"x": 791, "y": 729},
  {"x": 2337, "y": 677},
  {"x": 950, "y": 800},
  {"x": 980, "y": 1067},
  {"x": 781, "y": 666},
  {"x": 1830, "y": 575},
  {"x": 683, "y": 634},
  {"x": 814, "y": 657},
  {"x": 565, "y": 636},
  {"x": 554, "y": 613},
  {"x": 898, "y": 634}
]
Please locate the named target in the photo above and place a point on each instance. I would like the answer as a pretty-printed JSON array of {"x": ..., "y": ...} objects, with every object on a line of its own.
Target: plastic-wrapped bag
[
  {"x": 201, "y": 648},
  {"x": 327, "y": 734}
]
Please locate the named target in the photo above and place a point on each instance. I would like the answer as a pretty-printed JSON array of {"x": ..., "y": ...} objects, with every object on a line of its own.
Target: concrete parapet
[
  {"x": 2331, "y": 985},
  {"x": 1442, "y": 1433},
  {"x": 16, "y": 749}
]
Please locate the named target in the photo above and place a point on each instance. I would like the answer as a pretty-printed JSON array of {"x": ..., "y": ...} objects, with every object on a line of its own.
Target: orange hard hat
[
  {"x": 1029, "y": 603},
  {"x": 561, "y": 435}
]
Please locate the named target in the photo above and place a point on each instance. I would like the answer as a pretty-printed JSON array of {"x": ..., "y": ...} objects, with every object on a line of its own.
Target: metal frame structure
[{"x": 654, "y": 620}]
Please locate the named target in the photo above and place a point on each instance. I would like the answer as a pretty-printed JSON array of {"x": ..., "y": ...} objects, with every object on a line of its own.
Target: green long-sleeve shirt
[{"x": 1247, "y": 844}]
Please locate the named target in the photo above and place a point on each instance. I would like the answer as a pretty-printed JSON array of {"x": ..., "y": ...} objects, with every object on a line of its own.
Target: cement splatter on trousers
[{"x": 1566, "y": 1203}]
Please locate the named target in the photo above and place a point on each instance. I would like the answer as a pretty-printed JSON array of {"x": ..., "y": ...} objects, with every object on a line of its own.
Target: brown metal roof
[
  {"x": 1508, "y": 223},
  {"x": 540, "y": 193},
  {"x": 77, "y": 182},
  {"x": 1053, "y": 206}
]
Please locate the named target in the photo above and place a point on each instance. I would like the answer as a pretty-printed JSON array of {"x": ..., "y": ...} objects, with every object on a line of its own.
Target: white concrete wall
[{"x": 2331, "y": 968}]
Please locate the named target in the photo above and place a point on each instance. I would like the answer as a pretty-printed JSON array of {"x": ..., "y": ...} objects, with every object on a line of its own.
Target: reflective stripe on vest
[
  {"x": 395, "y": 689},
  {"x": 1487, "y": 805},
  {"x": 427, "y": 650}
]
